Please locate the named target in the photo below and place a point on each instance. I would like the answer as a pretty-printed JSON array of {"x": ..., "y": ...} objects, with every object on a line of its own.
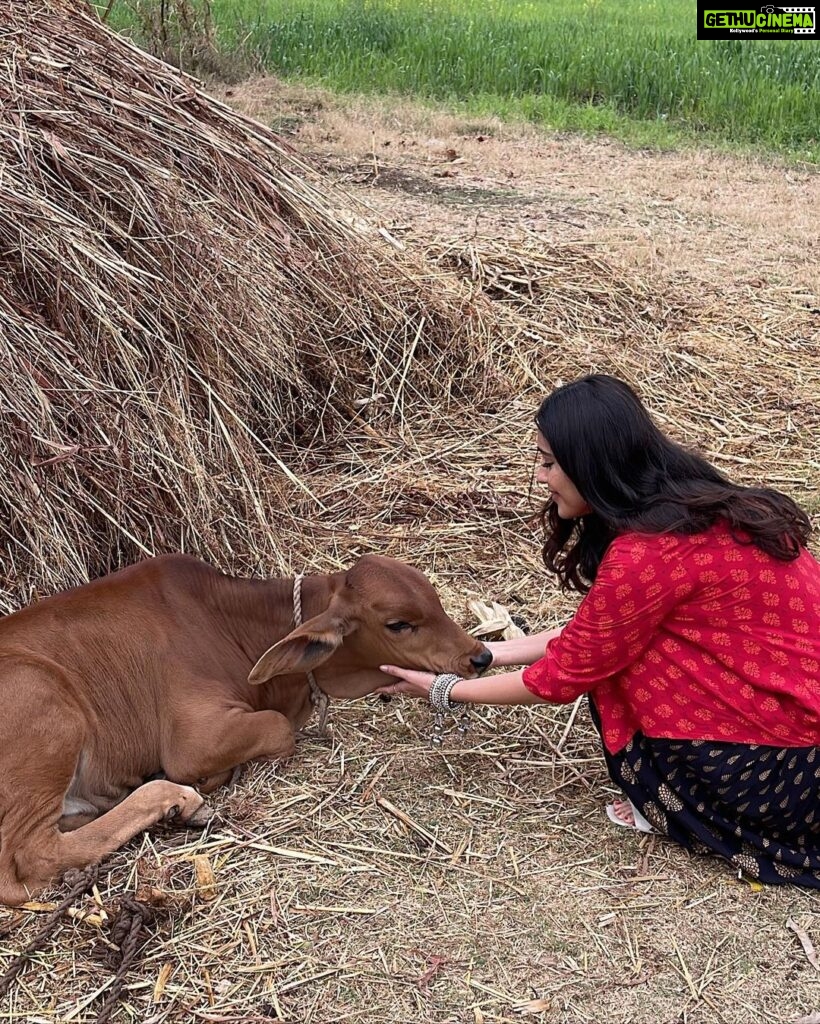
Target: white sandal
[{"x": 640, "y": 822}]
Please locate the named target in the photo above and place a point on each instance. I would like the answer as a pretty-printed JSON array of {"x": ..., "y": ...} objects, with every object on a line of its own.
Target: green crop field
[{"x": 633, "y": 69}]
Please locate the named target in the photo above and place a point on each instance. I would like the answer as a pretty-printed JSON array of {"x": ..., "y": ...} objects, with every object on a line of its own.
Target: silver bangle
[
  {"x": 440, "y": 691},
  {"x": 439, "y": 697}
]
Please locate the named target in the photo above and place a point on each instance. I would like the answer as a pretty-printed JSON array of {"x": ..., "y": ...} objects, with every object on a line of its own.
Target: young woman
[{"x": 697, "y": 643}]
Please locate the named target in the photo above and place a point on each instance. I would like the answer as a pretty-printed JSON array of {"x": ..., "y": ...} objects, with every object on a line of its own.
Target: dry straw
[{"x": 178, "y": 303}]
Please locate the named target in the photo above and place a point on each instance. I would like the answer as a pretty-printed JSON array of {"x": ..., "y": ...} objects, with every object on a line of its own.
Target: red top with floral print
[{"x": 693, "y": 637}]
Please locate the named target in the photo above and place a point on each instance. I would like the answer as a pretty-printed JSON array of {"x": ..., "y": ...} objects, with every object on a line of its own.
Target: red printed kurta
[{"x": 693, "y": 637}]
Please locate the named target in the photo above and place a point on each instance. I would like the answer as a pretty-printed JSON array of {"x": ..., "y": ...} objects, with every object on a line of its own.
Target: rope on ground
[
  {"x": 83, "y": 881},
  {"x": 126, "y": 932}
]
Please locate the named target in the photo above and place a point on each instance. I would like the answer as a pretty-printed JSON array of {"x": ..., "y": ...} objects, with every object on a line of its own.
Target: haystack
[{"x": 179, "y": 301}]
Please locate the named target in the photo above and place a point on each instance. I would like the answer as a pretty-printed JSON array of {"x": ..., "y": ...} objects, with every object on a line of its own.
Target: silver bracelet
[
  {"x": 440, "y": 691},
  {"x": 439, "y": 698}
]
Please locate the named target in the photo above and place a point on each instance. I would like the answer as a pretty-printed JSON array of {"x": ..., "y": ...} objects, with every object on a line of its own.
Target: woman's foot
[{"x": 623, "y": 812}]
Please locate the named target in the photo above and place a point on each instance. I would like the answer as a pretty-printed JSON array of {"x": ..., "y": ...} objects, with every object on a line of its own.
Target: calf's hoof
[
  {"x": 201, "y": 816},
  {"x": 196, "y": 819},
  {"x": 179, "y": 803}
]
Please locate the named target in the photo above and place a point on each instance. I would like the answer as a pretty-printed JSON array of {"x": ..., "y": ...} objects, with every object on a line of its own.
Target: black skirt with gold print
[{"x": 755, "y": 805}]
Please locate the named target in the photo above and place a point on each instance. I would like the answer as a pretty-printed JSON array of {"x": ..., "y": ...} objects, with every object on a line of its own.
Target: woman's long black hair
[{"x": 634, "y": 478}]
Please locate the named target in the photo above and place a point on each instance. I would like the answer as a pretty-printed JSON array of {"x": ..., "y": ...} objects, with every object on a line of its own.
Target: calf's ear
[{"x": 304, "y": 649}]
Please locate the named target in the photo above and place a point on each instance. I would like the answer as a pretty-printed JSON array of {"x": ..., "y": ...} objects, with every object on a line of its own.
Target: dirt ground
[
  {"x": 694, "y": 215},
  {"x": 373, "y": 880}
]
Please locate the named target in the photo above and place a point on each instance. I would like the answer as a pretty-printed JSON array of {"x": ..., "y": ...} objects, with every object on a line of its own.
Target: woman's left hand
[{"x": 408, "y": 682}]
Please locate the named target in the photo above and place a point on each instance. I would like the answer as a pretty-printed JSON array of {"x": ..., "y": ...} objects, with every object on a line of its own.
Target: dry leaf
[
  {"x": 95, "y": 918},
  {"x": 39, "y": 907},
  {"x": 152, "y": 895},
  {"x": 805, "y": 942},
  {"x": 493, "y": 620},
  {"x": 205, "y": 881},
  {"x": 162, "y": 981},
  {"x": 533, "y": 1006},
  {"x": 92, "y": 917}
]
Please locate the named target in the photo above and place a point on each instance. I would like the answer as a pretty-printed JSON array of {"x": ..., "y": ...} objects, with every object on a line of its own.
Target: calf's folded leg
[
  {"x": 209, "y": 746},
  {"x": 42, "y": 855}
]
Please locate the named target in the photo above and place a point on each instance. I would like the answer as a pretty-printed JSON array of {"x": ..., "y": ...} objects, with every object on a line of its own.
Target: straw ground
[{"x": 371, "y": 879}]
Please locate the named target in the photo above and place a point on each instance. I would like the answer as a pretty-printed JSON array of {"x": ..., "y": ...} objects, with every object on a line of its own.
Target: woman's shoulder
[
  {"x": 667, "y": 546},
  {"x": 716, "y": 546},
  {"x": 641, "y": 545}
]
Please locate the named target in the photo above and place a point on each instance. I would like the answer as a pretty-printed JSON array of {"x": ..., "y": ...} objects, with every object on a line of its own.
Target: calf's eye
[{"x": 398, "y": 627}]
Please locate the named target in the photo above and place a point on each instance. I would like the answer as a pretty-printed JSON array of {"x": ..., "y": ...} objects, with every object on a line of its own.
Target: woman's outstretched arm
[
  {"x": 523, "y": 650},
  {"x": 506, "y": 688}
]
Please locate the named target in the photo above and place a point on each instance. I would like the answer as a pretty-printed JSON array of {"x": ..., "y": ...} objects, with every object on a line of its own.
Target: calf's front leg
[
  {"x": 46, "y": 853},
  {"x": 205, "y": 751}
]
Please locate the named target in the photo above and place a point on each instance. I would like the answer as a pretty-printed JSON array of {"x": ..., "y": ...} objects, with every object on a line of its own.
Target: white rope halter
[{"x": 318, "y": 698}]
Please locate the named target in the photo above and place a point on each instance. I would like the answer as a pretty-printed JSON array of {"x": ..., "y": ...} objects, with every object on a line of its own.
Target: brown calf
[{"x": 167, "y": 667}]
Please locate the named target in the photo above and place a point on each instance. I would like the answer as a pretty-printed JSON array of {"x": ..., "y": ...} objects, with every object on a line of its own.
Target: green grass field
[{"x": 635, "y": 70}]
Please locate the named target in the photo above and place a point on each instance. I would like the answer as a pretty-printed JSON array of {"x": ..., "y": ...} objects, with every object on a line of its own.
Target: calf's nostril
[{"x": 482, "y": 660}]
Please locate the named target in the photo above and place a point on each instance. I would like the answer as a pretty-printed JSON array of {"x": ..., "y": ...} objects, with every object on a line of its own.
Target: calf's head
[{"x": 381, "y": 612}]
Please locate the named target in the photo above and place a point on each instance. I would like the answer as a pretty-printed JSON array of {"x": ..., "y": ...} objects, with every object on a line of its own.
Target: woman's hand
[{"x": 408, "y": 682}]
